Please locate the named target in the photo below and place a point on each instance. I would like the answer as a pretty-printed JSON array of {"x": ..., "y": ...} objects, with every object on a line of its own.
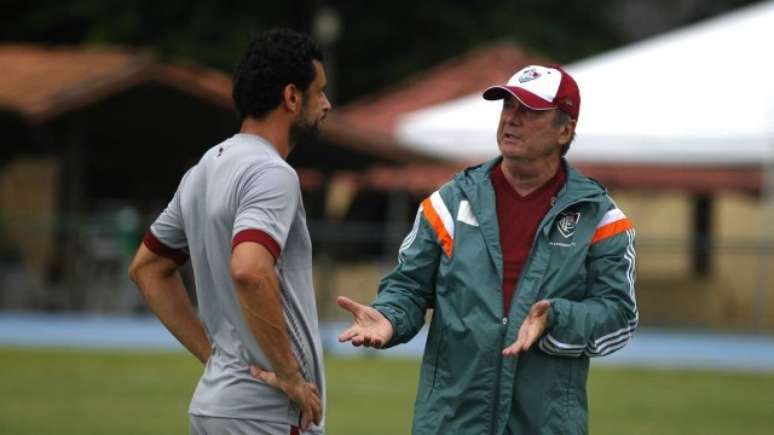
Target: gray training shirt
[{"x": 243, "y": 190}]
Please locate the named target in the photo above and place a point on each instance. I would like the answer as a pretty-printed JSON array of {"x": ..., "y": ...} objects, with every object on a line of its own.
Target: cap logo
[{"x": 529, "y": 75}]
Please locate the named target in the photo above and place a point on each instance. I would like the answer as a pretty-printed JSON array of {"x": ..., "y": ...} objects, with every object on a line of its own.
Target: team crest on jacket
[{"x": 567, "y": 223}]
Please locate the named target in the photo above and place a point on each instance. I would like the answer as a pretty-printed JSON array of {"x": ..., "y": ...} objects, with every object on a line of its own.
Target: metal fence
[{"x": 80, "y": 265}]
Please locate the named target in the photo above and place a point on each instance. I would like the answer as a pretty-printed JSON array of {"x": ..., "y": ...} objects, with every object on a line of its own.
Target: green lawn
[{"x": 99, "y": 392}]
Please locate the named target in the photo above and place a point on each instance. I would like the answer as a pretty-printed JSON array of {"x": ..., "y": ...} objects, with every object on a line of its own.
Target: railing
[{"x": 80, "y": 265}]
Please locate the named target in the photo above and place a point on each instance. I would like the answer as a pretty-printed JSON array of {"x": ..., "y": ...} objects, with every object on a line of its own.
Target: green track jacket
[{"x": 582, "y": 260}]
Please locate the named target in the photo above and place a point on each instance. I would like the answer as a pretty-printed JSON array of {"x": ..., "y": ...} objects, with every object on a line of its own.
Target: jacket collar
[{"x": 475, "y": 183}]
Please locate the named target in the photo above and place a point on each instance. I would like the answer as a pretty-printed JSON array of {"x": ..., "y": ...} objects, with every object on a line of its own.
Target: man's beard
[{"x": 303, "y": 130}]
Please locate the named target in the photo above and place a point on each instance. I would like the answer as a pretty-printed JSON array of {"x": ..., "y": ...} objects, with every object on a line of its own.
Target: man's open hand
[
  {"x": 531, "y": 329},
  {"x": 370, "y": 328}
]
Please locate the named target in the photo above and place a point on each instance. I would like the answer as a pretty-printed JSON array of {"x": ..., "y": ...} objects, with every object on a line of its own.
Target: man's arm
[
  {"x": 159, "y": 282},
  {"x": 398, "y": 312},
  {"x": 606, "y": 319},
  {"x": 259, "y": 294}
]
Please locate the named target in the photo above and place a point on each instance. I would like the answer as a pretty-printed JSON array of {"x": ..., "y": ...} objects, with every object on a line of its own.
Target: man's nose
[
  {"x": 512, "y": 114},
  {"x": 326, "y": 103}
]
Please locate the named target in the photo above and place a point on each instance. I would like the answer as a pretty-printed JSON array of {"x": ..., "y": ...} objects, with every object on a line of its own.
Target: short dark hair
[{"x": 274, "y": 59}]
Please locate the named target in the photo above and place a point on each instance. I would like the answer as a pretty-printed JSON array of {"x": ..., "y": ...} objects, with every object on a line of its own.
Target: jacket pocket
[
  {"x": 577, "y": 402},
  {"x": 430, "y": 363},
  {"x": 567, "y": 414}
]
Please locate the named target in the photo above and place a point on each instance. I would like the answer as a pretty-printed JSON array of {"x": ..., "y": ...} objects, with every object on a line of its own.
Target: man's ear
[
  {"x": 291, "y": 98},
  {"x": 566, "y": 132}
]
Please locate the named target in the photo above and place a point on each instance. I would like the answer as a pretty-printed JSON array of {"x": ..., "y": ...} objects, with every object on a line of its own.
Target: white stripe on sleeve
[
  {"x": 411, "y": 236},
  {"x": 611, "y": 216},
  {"x": 612, "y": 341},
  {"x": 443, "y": 213}
]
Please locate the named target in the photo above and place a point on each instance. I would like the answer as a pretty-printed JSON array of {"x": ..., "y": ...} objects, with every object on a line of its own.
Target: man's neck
[
  {"x": 527, "y": 176},
  {"x": 273, "y": 129}
]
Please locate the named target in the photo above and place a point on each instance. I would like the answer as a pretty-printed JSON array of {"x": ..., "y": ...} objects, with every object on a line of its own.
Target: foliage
[{"x": 380, "y": 43}]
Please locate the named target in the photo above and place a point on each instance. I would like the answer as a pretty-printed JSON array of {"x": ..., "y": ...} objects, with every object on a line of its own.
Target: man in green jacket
[{"x": 529, "y": 267}]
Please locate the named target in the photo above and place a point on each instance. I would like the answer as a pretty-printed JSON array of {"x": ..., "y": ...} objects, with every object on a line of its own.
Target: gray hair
[{"x": 560, "y": 120}]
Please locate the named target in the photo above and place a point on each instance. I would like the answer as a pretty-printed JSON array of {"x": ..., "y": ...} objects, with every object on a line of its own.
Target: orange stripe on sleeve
[
  {"x": 611, "y": 229},
  {"x": 437, "y": 224}
]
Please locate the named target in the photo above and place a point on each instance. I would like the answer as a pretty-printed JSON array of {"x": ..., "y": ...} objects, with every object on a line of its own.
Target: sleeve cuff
[
  {"x": 392, "y": 317},
  {"x": 553, "y": 313},
  {"x": 257, "y": 236},
  {"x": 157, "y": 247}
]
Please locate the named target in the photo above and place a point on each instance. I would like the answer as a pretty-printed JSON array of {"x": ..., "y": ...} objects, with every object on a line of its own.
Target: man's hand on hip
[{"x": 302, "y": 393}]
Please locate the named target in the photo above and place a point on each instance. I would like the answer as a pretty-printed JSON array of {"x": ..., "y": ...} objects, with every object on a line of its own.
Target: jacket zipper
[
  {"x": 504, "y": 330},
  {"x": 504, "y": 324},
  {"x": 496, "y": 401}
]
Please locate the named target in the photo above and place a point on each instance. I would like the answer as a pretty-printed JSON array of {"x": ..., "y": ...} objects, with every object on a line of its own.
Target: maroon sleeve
[
  {"x": 154, "y": 244},
  {"x": 257, "y": 236}
]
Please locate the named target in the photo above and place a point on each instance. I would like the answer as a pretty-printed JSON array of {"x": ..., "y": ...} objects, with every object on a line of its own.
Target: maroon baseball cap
[{"x": 541, "y": 88}]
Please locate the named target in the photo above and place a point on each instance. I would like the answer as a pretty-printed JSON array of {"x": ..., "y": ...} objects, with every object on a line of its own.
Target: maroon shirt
[{"x": 518, "y": 218}]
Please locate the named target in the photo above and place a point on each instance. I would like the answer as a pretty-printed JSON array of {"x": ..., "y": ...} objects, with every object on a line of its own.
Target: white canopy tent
[
  {"x": 702, "y": 95},
  {"x": 693, "y": 99}
]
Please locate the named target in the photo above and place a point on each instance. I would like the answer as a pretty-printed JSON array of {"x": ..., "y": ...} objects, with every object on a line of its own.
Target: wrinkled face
[
  {"x": 528, "y": 134},
  {"x": 315, "y": 104}
]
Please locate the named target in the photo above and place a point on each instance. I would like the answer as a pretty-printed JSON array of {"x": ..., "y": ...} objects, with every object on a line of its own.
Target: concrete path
[{"x": 649, "y": 348}]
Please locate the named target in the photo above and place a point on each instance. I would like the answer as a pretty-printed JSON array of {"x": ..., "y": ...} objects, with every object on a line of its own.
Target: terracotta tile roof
[
  {"x": 455, "y": 78},
  {"x": 206, "y": 83},
  {"x": 42, "y": 82},
  {"x": 338, "y": 131},
  {"x": 421, "y": 178},
  {"x": 691, "y": 179}
]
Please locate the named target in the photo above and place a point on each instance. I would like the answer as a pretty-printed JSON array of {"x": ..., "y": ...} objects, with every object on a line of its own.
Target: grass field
[{"x": 68, "y": 392}]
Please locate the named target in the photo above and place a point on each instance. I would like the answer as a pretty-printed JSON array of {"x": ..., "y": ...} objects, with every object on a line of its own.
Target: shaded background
[
  {"x": 104, "y": 104},
  {"x": 377, "y": 43}
]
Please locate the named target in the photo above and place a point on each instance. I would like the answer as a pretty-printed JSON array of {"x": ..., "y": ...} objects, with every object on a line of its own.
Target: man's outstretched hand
[
  {"x": 370, "y": 328},
  {"x": 302, "y": 393},
  {"x": 531, "y": 329}
]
